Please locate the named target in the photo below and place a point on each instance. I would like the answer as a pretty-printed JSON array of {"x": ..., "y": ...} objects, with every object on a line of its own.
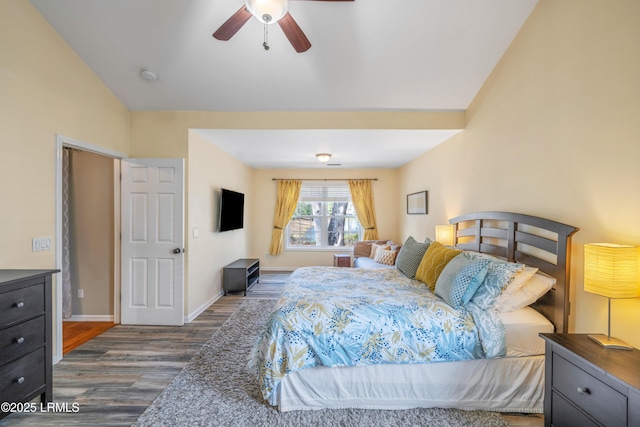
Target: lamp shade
[
  {"x": 611, "y": 270},
  {"x": 444, "y": 234}
]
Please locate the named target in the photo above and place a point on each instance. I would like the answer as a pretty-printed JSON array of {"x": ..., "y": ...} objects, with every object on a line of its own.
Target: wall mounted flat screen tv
[{"x": 231, "y": 210}]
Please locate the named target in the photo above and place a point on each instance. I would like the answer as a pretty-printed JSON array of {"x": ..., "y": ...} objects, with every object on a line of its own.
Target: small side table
[{"x": 341, "y": 260}]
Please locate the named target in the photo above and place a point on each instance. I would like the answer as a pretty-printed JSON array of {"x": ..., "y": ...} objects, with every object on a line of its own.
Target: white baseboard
[
  {"x": 89, "y": 318},
  {"x": 189, "y": 318},
  {"x": 278, "y": 269}
]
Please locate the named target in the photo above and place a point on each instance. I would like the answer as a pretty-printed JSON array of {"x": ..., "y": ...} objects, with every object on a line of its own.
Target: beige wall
[
  {"x": 92, "y": 245},
  {"x": 553, "y": 133},
  {"x": 265, "y": 193},
  {"x": 45, "y": 89},
  {"x": 211, "y": 169}
]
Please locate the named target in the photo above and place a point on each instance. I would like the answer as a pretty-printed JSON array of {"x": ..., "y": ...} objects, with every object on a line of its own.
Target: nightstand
[
  {"x": 342, "y": 260},
  {"x": 588, "y": 385}
]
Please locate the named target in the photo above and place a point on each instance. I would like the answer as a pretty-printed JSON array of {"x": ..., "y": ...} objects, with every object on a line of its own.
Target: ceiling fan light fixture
[
  {"x": 323, "y": 157},
  {"x": 268, "y": 11}
]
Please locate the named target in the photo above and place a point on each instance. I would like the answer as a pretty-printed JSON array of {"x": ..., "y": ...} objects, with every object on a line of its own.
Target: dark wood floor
[{"x": 114, "y": 377}]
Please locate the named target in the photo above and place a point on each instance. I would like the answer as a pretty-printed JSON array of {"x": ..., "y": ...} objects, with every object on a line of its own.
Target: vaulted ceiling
[{"x": 366, "y": 55}]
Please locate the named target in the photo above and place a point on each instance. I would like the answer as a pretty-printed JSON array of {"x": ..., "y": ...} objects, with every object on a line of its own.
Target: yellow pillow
[{"x": 433, "y": 262}]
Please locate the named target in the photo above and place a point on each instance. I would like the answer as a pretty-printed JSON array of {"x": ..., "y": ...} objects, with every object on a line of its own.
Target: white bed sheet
[
  {"x": 514, "y": 383},
  {"x": 522, "y": 328}
]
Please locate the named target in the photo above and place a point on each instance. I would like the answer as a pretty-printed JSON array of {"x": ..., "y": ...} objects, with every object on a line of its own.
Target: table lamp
[
  {"x": 611, "y": 270},
  {"x": 444, "y": 234}
]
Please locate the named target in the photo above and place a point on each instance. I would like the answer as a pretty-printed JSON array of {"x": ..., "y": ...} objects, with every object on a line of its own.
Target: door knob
[{"x": 177, "y": 251}]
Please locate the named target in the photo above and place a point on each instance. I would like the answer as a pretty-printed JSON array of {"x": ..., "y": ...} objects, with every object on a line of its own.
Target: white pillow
[
  {"x": 518, "y": 281},
  {"x": 529, "y": 293}
]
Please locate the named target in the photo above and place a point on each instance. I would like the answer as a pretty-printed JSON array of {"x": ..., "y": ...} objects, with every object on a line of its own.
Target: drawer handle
[
  {"x": 20, "y": 380},
  {"x": 20, "y": 340},
  {"x": 583, "y": 390},
  {"x": 20, "y": 304}
]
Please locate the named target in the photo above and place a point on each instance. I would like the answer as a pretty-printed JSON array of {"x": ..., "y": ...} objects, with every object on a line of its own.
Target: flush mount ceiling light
[
  {"x": 323, "y": 157},
  {"x": 148, "y": 75}
]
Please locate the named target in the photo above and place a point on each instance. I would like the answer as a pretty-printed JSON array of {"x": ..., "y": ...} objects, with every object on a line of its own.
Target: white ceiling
[{"x": 366, "y": 55}]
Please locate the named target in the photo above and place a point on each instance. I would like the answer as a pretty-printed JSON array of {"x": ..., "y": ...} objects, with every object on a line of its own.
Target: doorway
[
  {"x": 88, "y": 241},
  {"x": 93, "y": 228}
]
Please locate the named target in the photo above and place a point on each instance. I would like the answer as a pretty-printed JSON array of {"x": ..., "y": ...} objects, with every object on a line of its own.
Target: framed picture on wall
[{"x": 417, "y": 203}]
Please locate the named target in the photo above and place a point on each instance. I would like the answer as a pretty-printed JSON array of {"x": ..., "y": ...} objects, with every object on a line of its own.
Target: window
[{"x": 324, "y": 218}]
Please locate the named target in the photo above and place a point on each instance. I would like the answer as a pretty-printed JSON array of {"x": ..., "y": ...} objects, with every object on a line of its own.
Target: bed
[{"x": 377, "y": 339}]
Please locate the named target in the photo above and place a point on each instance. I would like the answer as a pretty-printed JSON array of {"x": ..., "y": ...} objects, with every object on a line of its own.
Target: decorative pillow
[
  {"x": 499, "y": 275},
  {"x": 460, "y": 279},
  {"x": 410, "y": 256},
  {"x": 385, "y": 256},
  {"x": 433, "y": 262},
  {"x": 394, "y": 246},
  {"x": 512, "y": 273},
  {"x": 529, "y": 293},
  {"x": 375, "y": 246}
]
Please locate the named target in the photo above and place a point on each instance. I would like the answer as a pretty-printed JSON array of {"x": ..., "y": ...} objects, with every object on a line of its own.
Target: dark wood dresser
[
  {"x": 588, "y": 385},
  {"x": 25, "y": 335}
]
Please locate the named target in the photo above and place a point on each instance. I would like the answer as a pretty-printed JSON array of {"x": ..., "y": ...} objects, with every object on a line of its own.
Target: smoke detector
[{"x": 148, "y": 76}]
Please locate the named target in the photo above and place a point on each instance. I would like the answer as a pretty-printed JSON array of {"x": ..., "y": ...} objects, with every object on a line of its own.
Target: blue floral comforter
[{"x": 330, "y": 316}]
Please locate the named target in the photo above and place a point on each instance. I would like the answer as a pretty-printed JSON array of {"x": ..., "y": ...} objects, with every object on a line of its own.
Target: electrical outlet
[
  {"x": 196, "y": 233},
  {"x": 40, "y": 244},
  {"x": 80, "y": 293}
]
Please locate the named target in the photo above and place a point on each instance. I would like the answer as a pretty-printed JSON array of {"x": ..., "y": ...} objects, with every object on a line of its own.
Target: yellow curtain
[
  {"x": 288, "y": 194},
  {"x": 362, "y": 198}
]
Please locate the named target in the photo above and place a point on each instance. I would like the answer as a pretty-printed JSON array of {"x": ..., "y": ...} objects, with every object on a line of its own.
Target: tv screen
[{"x": 231, "y": 210}]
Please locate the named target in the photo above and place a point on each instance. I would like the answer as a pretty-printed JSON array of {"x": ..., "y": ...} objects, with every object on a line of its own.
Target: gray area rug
[{"x": 215, "y": 389}]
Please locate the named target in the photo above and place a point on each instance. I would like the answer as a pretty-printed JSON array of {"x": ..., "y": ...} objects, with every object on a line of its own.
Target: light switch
[{"x": 40, "y": 244}]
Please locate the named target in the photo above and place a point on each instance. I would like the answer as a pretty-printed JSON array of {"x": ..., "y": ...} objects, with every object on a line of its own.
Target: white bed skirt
[{"x": 511, "y": 384}]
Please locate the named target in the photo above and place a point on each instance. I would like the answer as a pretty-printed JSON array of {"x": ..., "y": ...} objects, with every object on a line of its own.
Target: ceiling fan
[{"x": 267, "y": 12}]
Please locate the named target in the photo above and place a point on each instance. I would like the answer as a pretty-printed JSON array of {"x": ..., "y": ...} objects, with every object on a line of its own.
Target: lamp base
[{"x": 610, "y": 342}]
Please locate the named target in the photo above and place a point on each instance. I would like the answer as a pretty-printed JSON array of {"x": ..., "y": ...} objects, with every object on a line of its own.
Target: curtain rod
[{"x": 325, "y": 179}]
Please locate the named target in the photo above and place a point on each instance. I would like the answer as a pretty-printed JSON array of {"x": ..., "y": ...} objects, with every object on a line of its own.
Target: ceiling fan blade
[
  {"x": 233, "y": 24},
  {"x": 294, "y": 33}
]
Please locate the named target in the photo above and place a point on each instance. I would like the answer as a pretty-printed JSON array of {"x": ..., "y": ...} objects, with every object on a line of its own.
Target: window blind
[{"x": 325, "y": 192}]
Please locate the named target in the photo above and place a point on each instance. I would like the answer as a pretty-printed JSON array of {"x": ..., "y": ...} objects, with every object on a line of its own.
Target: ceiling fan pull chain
[{"x": 266, "y": 37}]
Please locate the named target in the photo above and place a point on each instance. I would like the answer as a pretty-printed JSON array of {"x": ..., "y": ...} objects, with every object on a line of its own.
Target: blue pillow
[
  {"x": 475, "y": 281},
  {"x": 460, "y": 280},
  {"x": 499, "y": 275}
]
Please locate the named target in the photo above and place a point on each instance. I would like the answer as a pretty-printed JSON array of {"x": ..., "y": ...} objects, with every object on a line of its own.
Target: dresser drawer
[
  {"x": 22, "y": 377},
  {"x": 21, "y": 339},
  {"x": 564, "y": 414},
  {"x": 605, "y": 404},
  {"x": 21, "y": 304}
]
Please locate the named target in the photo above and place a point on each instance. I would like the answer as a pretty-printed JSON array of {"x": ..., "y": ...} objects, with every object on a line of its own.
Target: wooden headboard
[{"x": 534, "y": 241}]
